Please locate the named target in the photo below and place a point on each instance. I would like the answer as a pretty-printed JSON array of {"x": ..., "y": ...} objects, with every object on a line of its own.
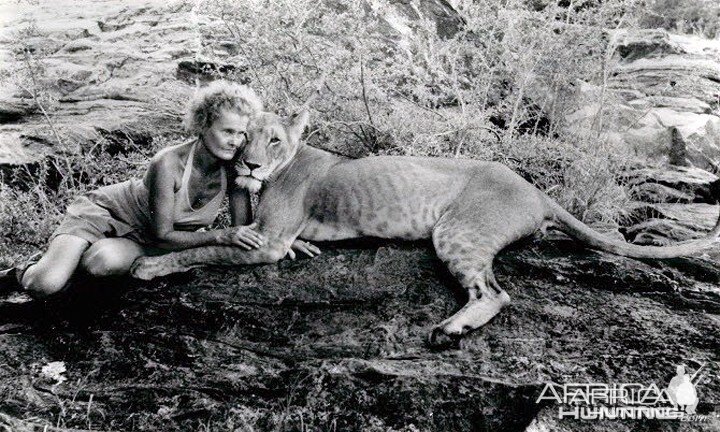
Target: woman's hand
[
  {"x": 307, "y": 248},
  {"x": 244, "y": 236}
]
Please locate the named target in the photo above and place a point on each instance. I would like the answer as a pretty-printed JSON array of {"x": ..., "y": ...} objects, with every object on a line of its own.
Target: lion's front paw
[{"x": 147, "y": 268}]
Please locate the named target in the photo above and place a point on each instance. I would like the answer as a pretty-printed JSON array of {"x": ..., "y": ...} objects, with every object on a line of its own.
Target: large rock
[
  {"x": 645, "y": 43},
  {"x": 12, "y": 110},
  {"x": 667, "y": 223},
  {"x": 402, "y": 17},
  {"x": 698, "y": 136},
  {"x": 690, "y": 69}
]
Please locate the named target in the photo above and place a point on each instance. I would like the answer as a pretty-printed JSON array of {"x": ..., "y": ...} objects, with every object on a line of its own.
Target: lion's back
[{"x": 385, "y": 196}]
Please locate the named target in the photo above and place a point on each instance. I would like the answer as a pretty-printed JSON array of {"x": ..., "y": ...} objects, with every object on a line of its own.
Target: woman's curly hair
[{"x": 204, "y": 108}]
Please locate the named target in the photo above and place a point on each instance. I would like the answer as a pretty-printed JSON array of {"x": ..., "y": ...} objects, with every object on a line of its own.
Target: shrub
[{"x": 427, "y": 93}]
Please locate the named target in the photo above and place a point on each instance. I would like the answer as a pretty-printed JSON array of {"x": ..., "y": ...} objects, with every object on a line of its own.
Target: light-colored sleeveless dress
[{"x": 123, "y": 210}]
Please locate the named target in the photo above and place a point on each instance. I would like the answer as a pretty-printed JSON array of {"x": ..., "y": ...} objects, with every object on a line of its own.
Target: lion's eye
[{"x": 274, "y": 140}]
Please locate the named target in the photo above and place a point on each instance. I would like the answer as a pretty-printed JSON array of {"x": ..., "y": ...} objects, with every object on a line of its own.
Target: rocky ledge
[{"x": 338, "y": 343}]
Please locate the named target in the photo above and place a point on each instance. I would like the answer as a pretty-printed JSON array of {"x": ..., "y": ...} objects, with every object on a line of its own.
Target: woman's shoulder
[
  {"x": 173, "y": 154},
  {"x": 168, "y": 163}
]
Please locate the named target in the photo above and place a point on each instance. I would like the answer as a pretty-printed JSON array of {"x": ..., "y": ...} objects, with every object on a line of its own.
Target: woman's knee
[
  {"x": 44, "y": 282},
  {"x": 109, "y": 257},
  {"x": 53, "y": 271}
]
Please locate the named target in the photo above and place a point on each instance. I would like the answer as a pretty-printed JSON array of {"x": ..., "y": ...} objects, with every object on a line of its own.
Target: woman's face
[{"x": 226, "y": 134}]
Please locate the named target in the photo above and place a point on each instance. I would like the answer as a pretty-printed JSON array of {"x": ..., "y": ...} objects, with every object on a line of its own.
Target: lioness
[{"x": 471, "y": 209}]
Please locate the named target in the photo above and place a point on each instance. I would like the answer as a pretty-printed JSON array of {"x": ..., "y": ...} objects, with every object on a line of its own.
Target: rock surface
[
  {"x": 673, "y": 204},
  {"x": 109, "y": 73},
  {"x": 338, "y": 343},
  {"x": 672, "y": 184},
  {"x": 662, "y": 82},
  {"x": 112, "y": 75}
]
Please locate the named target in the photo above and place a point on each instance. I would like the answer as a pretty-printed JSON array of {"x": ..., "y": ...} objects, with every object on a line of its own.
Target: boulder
[
  {"x": 17, "y": 150},
  {"x": 400, "y": 18},
  {"x": 666, "y": 223},
  {"x": 656, "y": 133},
  {"x": 674, "y": 203},
  {"x": 645, "y": 43},
  {"x": 440, "y": 12}
]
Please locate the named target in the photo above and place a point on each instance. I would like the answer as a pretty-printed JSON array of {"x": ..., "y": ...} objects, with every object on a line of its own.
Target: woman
[{"x": 182, "y": 191}]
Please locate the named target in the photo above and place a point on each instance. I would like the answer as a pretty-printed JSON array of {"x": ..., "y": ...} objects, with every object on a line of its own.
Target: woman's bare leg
[
  {"x": 56, "y": 266},
  {"x": 112, "y": 256},
  {"x": 105, "y": 257}
]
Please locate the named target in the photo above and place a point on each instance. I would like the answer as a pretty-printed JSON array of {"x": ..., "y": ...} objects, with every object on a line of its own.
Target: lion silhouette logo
[{"x": 681, "y": 390}]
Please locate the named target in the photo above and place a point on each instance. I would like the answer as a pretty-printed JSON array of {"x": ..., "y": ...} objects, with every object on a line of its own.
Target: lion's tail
[{"x": 570, "y": 225}]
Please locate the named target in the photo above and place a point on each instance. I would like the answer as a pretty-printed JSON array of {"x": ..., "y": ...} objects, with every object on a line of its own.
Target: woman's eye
[{"x": 235, "y": 133}]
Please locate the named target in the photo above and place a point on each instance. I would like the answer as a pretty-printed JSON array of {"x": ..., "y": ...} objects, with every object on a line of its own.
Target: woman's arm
[{"x": 161, "y": 186}]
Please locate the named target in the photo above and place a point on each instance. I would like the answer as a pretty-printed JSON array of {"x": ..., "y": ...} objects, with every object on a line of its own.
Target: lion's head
[{"x": 272, "y": 143}]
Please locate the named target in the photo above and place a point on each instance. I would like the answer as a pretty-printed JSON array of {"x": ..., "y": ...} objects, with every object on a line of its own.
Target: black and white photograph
[{"x": 360, "y": 215}]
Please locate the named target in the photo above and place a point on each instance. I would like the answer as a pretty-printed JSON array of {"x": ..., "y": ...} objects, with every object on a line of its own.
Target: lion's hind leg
[
  {"x": 484, "y": 302},
  {"x": 467, "y": 239}
]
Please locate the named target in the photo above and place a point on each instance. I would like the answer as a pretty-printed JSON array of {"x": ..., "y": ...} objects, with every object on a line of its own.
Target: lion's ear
[{"x": 298, "y": 122}]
